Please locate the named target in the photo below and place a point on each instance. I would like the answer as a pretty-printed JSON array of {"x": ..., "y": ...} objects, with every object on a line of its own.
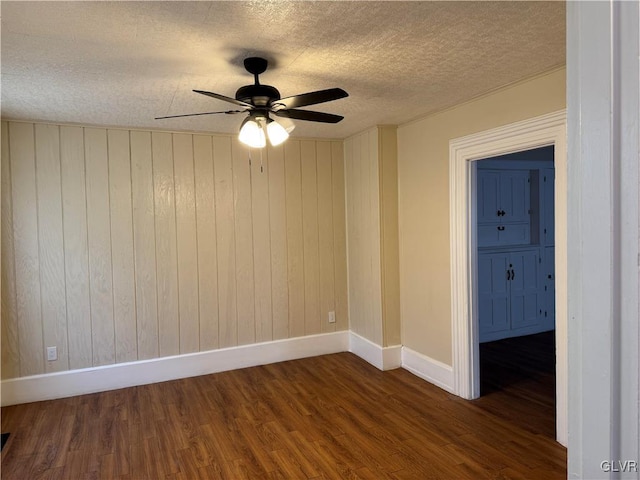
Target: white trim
[
  {"x": 109, "y": 377},
  {"x": 383, "y": 358},
  {"x": 603, "y": 100},
  {"x": 428, "y": 369},
  {"x": 545, "y": 130}
]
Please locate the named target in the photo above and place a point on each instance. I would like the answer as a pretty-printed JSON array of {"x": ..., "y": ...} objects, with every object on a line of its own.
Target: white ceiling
[{"x": 124, "y": 63}]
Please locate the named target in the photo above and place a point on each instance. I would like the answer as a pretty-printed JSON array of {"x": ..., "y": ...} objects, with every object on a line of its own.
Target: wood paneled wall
[
  {"x": 125, "y": 245},
  {"x": 372, "y": 231},
  {"x": 363, "y": 232}
]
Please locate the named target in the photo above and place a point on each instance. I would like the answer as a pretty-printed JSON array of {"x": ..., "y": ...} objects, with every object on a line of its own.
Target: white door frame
[{"x": 537, "y": 132}]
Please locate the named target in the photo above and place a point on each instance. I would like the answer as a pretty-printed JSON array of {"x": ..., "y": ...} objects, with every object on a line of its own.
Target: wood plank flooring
[
  {"x": 333, "y": 416},
  {"x": 520, "y": 372}
]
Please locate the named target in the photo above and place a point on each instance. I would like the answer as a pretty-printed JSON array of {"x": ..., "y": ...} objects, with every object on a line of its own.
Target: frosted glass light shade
[
  {"x": 252, "y": 134},
  {"x": 276, "y": 133}
]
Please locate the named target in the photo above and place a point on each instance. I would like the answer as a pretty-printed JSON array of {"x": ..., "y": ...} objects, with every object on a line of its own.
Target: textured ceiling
[{"x": 124, "y": 63}]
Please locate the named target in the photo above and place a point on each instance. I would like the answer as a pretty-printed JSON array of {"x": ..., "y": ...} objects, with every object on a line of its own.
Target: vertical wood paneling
[
  {"x": 261, "y": 248},
  {"x": 339, "y": 235},
  {"x": 99, "y": 235},
  {"x": 354, "y": 229},
  {"x": 325, "y": 234},
  {"x": 9, "y": 332},
  {"x": 310, "y": 237},
  {"x": 144, "y": 245},
  {"x": 207, "y": 260},
  {"x": 349, "y": 199},
  {"x": 52, "y": 284},
  {"x": 363, "y": 226},
  {"x": 76, "y": 249},
  {"x": 166, "y": 249},
  {"x": 244, "y": 243},
  {"x": 295, "y": 252},
  {"x": 366, "y": 255},
  {"x": 186, "y": 242},
  {"x": 225, "y": 241},
  {"x": 122, "y": 245},
  {"x": 25, "y": 242},
  {"x": 278, "y": 243},
  {"x": 124, "y": 292},
  {"x": 364, "y": 236},
  {"x": 375, "y": 285}
]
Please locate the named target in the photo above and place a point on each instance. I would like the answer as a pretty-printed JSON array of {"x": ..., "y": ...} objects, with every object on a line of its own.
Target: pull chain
[{"x": 261, "y": 161}]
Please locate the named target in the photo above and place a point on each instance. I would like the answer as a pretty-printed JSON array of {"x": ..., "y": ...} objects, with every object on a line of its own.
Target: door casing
[{"x": 545, "y": 130}]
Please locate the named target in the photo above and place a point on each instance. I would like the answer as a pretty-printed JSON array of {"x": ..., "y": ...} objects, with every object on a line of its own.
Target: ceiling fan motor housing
[{"x": 258, "y": 95}]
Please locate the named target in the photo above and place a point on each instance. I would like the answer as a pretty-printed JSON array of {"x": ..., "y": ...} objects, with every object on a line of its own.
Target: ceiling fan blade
[
  {"x": 309, "y": 115},
  {"x": 196, "y": 114},
  {"x": 226, "y": 99},
  {"x": 311, "y": 98}
]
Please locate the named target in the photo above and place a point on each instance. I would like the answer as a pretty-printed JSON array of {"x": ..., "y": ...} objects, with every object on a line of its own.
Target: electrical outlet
[
  {"x": 332, "y": 317},
  {"x": 52, "y": 354}
]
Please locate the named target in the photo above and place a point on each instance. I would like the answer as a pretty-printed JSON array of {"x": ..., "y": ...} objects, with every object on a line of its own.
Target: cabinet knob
[{"x": 501, "y": 228}]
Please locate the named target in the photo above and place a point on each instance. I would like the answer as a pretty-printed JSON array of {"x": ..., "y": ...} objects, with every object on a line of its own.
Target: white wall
[{"x": 123, "y": 245}]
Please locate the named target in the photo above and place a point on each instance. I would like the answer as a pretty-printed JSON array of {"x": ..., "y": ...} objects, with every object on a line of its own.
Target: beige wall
[
  {"x": 372, "y": 233},
  {"x": 125, "y": 245},
  {"x": 423, "y": 183}
]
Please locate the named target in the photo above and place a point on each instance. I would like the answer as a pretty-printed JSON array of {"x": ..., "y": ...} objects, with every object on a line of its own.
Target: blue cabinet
[
  {"x": 549, "y": 285},
  {"x": 515, "y": 233},
  {"x": 511, "y": 300},
  {"x": 547, "y": 225},
  {"x": 503, "y": 207}
]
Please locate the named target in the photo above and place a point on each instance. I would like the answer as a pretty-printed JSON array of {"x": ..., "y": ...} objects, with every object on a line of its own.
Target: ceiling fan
[{"x": 261, "y": 101}]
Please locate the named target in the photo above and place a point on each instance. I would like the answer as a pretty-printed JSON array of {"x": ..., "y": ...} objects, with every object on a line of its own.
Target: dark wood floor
[
  {"x": 519, "y": 373},
  {"x": 333, "y": 416}
]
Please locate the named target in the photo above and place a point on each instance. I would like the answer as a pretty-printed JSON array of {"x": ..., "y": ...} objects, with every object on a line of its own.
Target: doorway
[
  {"x": 546, "y": 130},
  {"x": 516, "y": 292}
]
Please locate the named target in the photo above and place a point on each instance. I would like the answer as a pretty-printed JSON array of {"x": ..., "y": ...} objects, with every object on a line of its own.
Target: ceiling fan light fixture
[
  {"x": 251, "y": 133},
  {"x": 276, "y": 132}
]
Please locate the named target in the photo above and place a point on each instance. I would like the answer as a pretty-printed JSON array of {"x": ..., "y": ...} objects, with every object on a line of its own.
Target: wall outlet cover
[{"x": 52, "y": 354}]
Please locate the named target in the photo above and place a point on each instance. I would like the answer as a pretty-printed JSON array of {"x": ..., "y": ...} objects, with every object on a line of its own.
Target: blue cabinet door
[
  {"x": 549, "y": 282},
  {"x": 488, "y": 187},
  {"x": 515, "y": 195},
  {"x": 547, "y": 207},
  {"x": 526, "y": 295},
  {"x": 493, "y": 294}
]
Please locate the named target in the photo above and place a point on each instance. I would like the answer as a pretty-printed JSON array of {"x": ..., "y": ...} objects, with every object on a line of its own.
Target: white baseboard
[
  {"x": 383, "y": 358},
  {"x": 122, "y": 375},
  {"x": 110, "y": 377},
  {"x": 428, "y": 369}
]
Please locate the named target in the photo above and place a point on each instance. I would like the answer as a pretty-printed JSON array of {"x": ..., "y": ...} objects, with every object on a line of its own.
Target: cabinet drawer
[{"x": 500, "y": 235}]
